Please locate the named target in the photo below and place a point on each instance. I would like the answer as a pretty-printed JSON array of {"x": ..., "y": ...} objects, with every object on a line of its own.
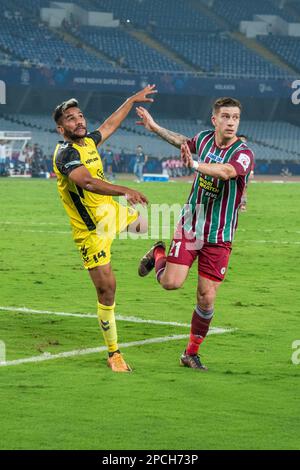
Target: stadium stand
[
  {"x": 219, "y": 55},
  {"x": 277, "y": 135},
  {"x": 157, "y": 13},
  {"x": 285, "y": 46},
  {"x": 188, "y": 127},
  {"x": 32, "y": 6},
  {"x": 214, "y": 52},
  {"x": 126, "y": 50},
  {"x": 25, "y": 40},
  {"x": 295, "y": 5},
  {"x": 270, "y": 140},
  {"x": 36, "y": 44},
  {"x": 236, "y": 11}
]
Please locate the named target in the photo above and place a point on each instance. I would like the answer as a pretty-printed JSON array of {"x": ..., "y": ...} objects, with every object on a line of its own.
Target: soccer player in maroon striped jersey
[{"x": 209, "y": 219}]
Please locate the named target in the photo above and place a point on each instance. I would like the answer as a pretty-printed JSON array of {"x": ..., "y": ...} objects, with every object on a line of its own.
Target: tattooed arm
[{"x": 148, "y": 122}]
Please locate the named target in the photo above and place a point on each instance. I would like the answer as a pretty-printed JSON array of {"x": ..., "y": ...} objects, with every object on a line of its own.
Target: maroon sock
[
  {"x": 160, "y": 261},
  {"x": 199, "y": 328}
]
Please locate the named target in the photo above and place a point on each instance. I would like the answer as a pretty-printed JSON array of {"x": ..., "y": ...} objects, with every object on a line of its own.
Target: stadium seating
[
  {"x": 157, "y": 13},
  {"x": 295, "y": 5},
  {"x": 213, "y": 53},
  {"x": 285, "y": 46},
  {"x": 270, "y": 154},
  {"x": 5, "y": 58},
  {"x": 269, "y": 140},
  {"x": 219, "y": 55},
  {"x": 236, "y": 11},
  {"x": 187, "y": 127},
  {"x": 126, "y": 50},
  {"x": 274, "y": 135},
  {"x": 37, "y": 44}
]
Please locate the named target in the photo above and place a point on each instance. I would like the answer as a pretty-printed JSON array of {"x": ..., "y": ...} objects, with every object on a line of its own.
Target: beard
[{"x": 74, "y": 136}]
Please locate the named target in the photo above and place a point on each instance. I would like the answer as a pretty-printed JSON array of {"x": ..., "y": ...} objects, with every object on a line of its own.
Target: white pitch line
[
  {"x": 89, "y": 315},
  {"x": 276, "y": 242},
  {"x": 64, "y": 232},
  {"x": 47, "y": 312},
  {"x": 84, "y": 352},
  {"x": 273, "y": 182},
  {"x": 61, "y": 232},
  {"x": 25, "y": 223},
  {"x": 58, "y": 224}
]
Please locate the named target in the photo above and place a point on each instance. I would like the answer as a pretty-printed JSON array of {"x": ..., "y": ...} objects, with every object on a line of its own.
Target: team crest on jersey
[
  {"x": 244, "y": 160},
  {"x": 214, "y": 157}
]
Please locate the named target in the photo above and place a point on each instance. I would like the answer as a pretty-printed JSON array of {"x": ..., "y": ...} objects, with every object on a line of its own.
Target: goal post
[{"x": 12, "y": 155}]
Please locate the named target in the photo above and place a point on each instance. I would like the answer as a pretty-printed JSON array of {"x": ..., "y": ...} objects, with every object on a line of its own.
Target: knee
[
  {"x": 107, "y": 290},
  {"x": 206, "y": 299},
  {"x": 170, "y": 283},
  {"x": 106, "y": 293}
]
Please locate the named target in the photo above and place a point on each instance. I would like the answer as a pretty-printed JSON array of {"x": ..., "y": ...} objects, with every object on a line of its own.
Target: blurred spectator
[
  {"x": 108, "y": 160},
  {"x": 38, "y": 161},
  {"x": 123, "y": 162},
  {"x": 140, "y": 161},
  {"x": 116, "y": 163},
  {"x": 2, "y": 158}
]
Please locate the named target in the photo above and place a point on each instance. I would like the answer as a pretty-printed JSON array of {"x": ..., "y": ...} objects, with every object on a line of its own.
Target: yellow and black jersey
[{"x": 81, "y": 205}]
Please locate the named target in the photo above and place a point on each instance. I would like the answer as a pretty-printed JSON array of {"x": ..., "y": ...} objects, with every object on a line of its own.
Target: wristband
[{"x": 195, "y": 165}]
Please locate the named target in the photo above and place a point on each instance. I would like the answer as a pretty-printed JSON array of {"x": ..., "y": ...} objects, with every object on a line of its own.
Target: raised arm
[
  {"x": 82, "y": 178},
  {"x": 112, "y": 123},
  {"x": 148, "y": 122},
  {"x": 223, "y": 171}
]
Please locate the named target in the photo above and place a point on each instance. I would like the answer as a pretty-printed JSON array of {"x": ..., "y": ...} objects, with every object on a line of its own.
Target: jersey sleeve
[
  {"x": 242, "y": 161},
  {"x": 95, "y": 136},
  {"x": 67, "y": 160},
  {"x": 192, "y": 143}
]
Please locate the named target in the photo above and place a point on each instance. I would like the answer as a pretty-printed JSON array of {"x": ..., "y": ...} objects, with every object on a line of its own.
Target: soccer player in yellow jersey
[{"x": 88, "y": 199}]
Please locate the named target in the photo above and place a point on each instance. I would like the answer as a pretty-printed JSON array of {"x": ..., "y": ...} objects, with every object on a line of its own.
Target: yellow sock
[{"x": 107, "y": 322}]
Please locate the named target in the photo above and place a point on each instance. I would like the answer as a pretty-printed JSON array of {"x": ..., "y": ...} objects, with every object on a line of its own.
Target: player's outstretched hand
[
  {"x": 146, "y": 119},
  {"x": 135, "y": 197},
  {"x": 185, "y": 155},
  {"x": 142, "y": 96}
]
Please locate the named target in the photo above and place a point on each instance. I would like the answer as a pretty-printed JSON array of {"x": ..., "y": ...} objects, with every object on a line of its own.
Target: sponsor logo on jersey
[
  {"x": 208, "y": 188},
  {"x": 91, "y": 160},
  {"x": 214, "y": 157}
]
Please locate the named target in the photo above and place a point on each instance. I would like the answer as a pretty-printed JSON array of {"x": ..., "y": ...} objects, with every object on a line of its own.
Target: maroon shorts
[{"x": 213, "y": 258}]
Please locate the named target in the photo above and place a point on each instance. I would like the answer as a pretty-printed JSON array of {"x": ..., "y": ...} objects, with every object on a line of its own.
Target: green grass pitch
[{"x": 249, "y": 399}]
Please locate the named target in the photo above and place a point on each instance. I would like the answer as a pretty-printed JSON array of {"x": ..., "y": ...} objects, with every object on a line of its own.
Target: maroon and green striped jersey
[{"x": 211, "y": 212}]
